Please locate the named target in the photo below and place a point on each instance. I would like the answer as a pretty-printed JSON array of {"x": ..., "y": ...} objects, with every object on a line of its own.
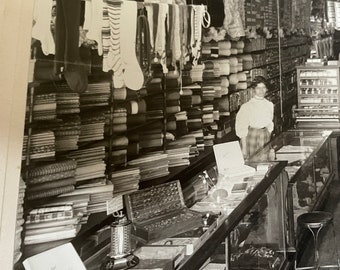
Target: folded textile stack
[
  {"x": 42, "y": 145},
  {"x": 126, "y": 180},
  {"x": 51, "y": 179},
  {"x": 96, "y": 94},
  {"x": 99, "y": 196},
  {"x": 91, "y": 167},
  {"x": 20, "y": 222},
  {"x": 51, "y": 223},
  {"x": 196, "y": 73},
  {"x": 178, "y": 156},
  {"x": 67, "y": 131},
  {"x": 152, "y": 165},
  {"x": 92, "y": 127},
  {"x": 67, "y": 102},
  {"x": 44, "y": 106}
]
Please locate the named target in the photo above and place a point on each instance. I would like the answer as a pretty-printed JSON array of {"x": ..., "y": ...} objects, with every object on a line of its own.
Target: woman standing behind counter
[{"x": 254, "y": 121}]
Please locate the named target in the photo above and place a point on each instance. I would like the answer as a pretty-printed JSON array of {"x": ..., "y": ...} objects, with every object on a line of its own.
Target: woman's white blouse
[{"x": 256, "y": 113}]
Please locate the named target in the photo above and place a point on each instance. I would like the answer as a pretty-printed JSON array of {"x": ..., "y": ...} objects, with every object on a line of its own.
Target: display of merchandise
[
  {"x": 318, "y": 96},
  {"x": 129, "y": 114}
]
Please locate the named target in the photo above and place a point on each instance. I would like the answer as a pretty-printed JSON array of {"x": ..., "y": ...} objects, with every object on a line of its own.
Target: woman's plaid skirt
[{"x": 256, "y": 139}]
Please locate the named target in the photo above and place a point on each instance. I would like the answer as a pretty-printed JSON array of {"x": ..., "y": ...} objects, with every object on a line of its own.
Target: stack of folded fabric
[
  {"x": 234, "y": 101},
  {"x": 51, "y": 179},
  {"x": 152, "y": 165},
  {"x": 242, "y": 81},
  {"x": 96, "y": 94},
  {"x": 240, "y": 63},
  {"x": 19, "y": 223},
  {"x": 224, "y": 48},
  {"x": 92, "y": 126},
  {"x": 178, "y": 155},
  {"x": 234, "y": 66},
  {"x": 224, "y": 65},
  {"x": 42, "y": 145},
  {"x": 331, "y": 12},
  {"x": 258, "y": 72},
  {"x": 247, "y": 61},
  {"x": 196, "y": 73},
  {"x": 67, "y": 131},
  {"x": 181, "y": 123},
  {"x": 98, "y": 196},
  {"x": 68, "y": 102},
  {"x": 194, "y": 121},
  {"x": 50, "y": 226},
  {"x": 186, "y": 99},
  {"x": 222, "y": 105},
  {"x": 233, "y": 81},
  {"x": 125, "y": 180},
  {"x": 91, "y": 167},
  {"x": 44, "y": 106}
]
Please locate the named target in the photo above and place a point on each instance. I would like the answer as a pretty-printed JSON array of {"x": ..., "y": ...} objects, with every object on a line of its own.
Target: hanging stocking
[
  {"x": 41, "y": 30},
  {"x": 133, "y": 74},
  {"x": 67, "y": 60},
  {"x": 114, "y": 58}
]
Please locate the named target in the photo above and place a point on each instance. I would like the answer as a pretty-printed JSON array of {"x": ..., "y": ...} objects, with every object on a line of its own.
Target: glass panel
[{"x": 258, "y": 241}]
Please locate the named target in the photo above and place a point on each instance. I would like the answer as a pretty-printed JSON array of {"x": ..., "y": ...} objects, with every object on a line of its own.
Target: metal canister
[{"x": 120, "y": 238}]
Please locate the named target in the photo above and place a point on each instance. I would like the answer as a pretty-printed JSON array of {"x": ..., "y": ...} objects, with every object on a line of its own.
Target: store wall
[{"x": 15, "y": 32}]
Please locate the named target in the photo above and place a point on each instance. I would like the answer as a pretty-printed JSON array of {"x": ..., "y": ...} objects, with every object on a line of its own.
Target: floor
[{"x": 327, "y": 243}]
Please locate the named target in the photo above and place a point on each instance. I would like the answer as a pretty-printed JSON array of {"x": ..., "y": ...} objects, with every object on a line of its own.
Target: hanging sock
[
  {"x": 114, "y": 58},
  {"x": 41, "y": 30},
  {"x": 67, "y": 60},
  {"x": 106, "y": 37},
  {"x": 160, "y": 42},
  {"x": 93, "y": 22},
  {"x": 133, "y": 74}
]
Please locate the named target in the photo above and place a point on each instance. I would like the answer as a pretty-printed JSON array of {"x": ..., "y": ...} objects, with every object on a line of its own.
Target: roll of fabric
[
  {"x": 119, "y": 119},
  {"x": 233, "y": 79},
  {"x": 222, "y": 104},
  {"x": 224, "y": 67},
  {"x": 119, "y": 93},
  {"x": 171, "y": 125},
  {"x": 119, "y": 157},
  {"x": 242, "y": 76},
  {"x": 171, "y": 103},
  {"x": 172, "y": 95},
  {"x": 224, "y": 45},
  {"x": 132, "y": 107},
  {"x": 187, "y": 92},
  {"x": 196, "y": 99},
  {"x": 141, "y": 106},
  {"x": 247, "y": 62},
  {"x": 133, "y": 149},
  {"x": 120, "y": 142},
  {"x": 241, "y": 85},
  {"x": 119, "y": 128},
  {"x": 181, "y": 128},
  {"x": 173, "y": 109},
  {"x": 136, "y": 119}
]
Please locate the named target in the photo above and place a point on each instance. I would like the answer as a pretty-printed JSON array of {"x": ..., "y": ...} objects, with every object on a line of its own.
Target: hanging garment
[
  {"x": 41, "y": 29},
  {"x": 94, "y": 21},
  {"x": 232, "y": 20},
  {"x": 67, "y": 60}
]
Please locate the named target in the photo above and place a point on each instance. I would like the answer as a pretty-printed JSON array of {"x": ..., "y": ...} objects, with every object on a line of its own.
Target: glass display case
[
  {"x": 243, "y": 224},
  {"x": 318, "y": 96},
  {"x": 250, "y": 230},
  {"x": 310, "y": 168}
]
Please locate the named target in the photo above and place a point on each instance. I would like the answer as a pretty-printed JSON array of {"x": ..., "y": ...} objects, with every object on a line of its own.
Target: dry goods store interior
[{"x": 132, "y": 98}]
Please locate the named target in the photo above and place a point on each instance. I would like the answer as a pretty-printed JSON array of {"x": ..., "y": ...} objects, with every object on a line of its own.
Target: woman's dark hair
[{"x": 257, "y": 80}]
